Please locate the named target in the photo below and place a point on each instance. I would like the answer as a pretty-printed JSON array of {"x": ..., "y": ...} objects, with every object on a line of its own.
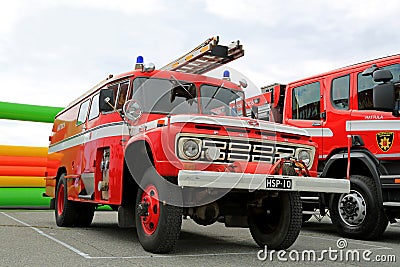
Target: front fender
[{"x": 338, "y": 162}]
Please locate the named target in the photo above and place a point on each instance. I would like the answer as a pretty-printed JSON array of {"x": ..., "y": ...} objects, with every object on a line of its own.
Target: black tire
[
  {"x": 354, "y": 223},
  {"x": 157, "y": 235},
  {"x": 280, "y": 226},
  {"x": 65, "y": 211},
  {"x": 85, "y": 212}
]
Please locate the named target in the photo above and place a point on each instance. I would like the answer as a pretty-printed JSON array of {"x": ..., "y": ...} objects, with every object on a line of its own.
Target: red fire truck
[
  {"x": 357, "y": 107},
  {"x": 157, "y": 145}
]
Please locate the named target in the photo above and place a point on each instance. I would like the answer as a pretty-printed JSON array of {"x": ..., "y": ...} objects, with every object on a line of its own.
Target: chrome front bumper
[{"x": 247, "y": 181}]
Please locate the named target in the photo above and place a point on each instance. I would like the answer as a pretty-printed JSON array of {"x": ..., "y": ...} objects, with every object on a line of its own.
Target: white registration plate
[{"x": 278, "y": 183}]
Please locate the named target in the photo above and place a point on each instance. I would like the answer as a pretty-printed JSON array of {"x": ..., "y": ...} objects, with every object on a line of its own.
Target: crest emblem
[{"x": 385, "y": 140}]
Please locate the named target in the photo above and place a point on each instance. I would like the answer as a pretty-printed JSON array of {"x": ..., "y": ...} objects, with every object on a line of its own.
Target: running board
[
  {"x": 87, "y": 197},
  {"x": 391, "y": 204},
  {"x": 310, "y": 198}
]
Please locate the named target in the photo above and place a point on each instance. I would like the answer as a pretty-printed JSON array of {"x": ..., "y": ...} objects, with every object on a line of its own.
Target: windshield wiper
[{"x": 215, "y": 93}]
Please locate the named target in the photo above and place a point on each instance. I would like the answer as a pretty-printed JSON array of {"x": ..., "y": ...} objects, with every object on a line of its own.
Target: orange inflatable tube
[
  {"x": 23, "y": 151},
  {"x": 22, "y": 171}
]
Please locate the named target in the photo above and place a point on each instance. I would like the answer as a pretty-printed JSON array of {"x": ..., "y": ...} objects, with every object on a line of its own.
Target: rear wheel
[
  {"x": 65, "y": 211},
  {"x": 278, "y": 224},
  {"x": 358, "y": 213},
  {"x": 158, "y": 224}
]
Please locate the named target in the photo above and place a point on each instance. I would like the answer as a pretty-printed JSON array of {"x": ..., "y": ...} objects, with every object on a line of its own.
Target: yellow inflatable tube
[{"x": 22, "y": 181}]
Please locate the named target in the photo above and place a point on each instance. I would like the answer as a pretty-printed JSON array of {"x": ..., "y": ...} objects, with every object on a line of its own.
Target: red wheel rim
[
  {"x": 60, "y": 200},
  {"x": 150, "y": 222}
]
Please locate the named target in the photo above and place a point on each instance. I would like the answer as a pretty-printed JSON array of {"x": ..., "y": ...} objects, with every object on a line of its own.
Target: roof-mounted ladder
[{"x": 205, "y": 57}]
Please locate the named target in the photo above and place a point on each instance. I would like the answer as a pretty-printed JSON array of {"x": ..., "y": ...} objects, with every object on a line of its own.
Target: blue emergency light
[
  {"x": 139, "y": 63},
  {"x": 226, "y": 75}
]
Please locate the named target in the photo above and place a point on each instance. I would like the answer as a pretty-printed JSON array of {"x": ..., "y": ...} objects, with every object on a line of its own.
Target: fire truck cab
[
  {"x": 357, "y": 107},
  {"x": 161, "y": 144}
]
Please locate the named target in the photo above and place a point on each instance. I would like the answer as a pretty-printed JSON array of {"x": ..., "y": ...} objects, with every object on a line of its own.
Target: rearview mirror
[
  {"x": 187, "y": 91},
  {"x": 384, "y": 93},
  {"x": 106, "y": 100}
]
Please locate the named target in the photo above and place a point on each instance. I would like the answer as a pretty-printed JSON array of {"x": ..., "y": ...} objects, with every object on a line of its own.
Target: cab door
[
  {"x": 103, "y": 147},
  {"x": 338, "y": 112},
  {"x": 305, "y": 109}
]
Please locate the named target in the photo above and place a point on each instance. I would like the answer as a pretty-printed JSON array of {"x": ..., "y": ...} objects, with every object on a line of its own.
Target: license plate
[{"x": 278, "y": 183}]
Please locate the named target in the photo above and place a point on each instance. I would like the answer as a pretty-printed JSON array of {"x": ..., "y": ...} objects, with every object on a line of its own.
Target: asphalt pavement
[{"x": 31, "y": 238}]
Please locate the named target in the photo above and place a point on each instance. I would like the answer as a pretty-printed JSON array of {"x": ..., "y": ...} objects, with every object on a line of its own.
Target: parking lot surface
[{"x": 31, "y": 238}]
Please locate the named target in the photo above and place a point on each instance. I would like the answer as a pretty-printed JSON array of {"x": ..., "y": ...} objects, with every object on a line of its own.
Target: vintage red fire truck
[
  {"x": 158, "y": 145},
  {"x": 358, "y": 107}
]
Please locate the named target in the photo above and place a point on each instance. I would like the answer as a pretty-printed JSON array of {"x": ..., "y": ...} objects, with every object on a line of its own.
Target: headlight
[
  {"x": 189, "y": 148},
  {"x": 305, "y": 156}
]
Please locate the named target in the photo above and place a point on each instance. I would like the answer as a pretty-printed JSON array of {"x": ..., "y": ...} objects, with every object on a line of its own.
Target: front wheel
[
  {"x": 277, "y": 225},
  {"x": 65, "y": 211},
  {"x": 158, "y": 223},
  {"x": 358, "y": 214}
]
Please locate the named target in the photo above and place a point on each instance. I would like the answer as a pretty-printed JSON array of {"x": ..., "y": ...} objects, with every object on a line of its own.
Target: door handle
[{"x": 317, "y": 124}]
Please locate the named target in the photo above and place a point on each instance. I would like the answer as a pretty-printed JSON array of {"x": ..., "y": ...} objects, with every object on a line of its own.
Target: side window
[
  {"x": 366, "y": 83},
  {"x": 340, "y": 91},
  {"x": 306, "y": 102},
  {"x": 94, "y": 108},
  {"x": 122, "y": 92},
  {"x": 83, "y": 112}
]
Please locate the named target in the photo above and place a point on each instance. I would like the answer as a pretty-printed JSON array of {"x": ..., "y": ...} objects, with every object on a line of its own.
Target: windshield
[
  {"x": 218, "y": 100},
  {"x": 165, "y": 96}
]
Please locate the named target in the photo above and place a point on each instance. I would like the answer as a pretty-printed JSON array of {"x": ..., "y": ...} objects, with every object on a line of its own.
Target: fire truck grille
[{"x": 251, "y": 151}]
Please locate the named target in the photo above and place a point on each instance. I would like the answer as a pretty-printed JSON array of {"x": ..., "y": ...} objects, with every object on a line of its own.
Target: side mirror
[
  {"x": 106, "y": 100},
  {"x": 382, "y": 76},
  {"x": 132, "y": 111},
  {"x": 243, "y": 83},
  {"x": 384, "y": 93}
]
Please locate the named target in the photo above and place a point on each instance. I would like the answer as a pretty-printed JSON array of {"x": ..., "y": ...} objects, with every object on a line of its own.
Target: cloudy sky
[{"x": 53, "y": 51}]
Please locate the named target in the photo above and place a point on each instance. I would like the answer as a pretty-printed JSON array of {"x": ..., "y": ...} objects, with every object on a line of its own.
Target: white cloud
[
  {"x": 10, "y": 12},
  {"x": 124, "y": 6}
]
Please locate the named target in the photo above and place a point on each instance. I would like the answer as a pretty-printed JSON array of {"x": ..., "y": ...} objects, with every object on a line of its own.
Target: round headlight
[
  {"x": 305, "y": 156},
  {"x": 212, "y": 153},
  {"x": 191, "y": 149}
]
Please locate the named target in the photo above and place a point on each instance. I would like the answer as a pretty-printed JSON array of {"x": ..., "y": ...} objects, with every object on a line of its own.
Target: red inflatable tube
[{"x": 22, "y": 171}]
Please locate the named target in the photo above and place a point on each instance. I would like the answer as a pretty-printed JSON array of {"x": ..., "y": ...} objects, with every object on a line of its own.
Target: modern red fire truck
[
  {"x": 157, "y": 145},
  {"x": 357, "y": 107}
]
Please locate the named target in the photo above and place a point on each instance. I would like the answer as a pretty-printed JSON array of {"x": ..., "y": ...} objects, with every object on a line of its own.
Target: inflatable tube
[
  {"x": 22, "y": 181},
  {"x": 24, "y": 112},
  {"x": 23, "y": 151},
  {"x": 23, "y": 161},
  {"x": 22, "y": 171},
  {"x": 23, "y": 197}
]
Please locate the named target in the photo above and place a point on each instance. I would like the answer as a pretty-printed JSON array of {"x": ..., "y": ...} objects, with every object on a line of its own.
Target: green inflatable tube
[
  {"x": 25, "y": 112},
  {"x": 23, "y": 197}
]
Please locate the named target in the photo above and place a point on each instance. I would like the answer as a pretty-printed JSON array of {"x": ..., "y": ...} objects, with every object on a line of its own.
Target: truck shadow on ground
[{"x": 190, "y": 241}]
